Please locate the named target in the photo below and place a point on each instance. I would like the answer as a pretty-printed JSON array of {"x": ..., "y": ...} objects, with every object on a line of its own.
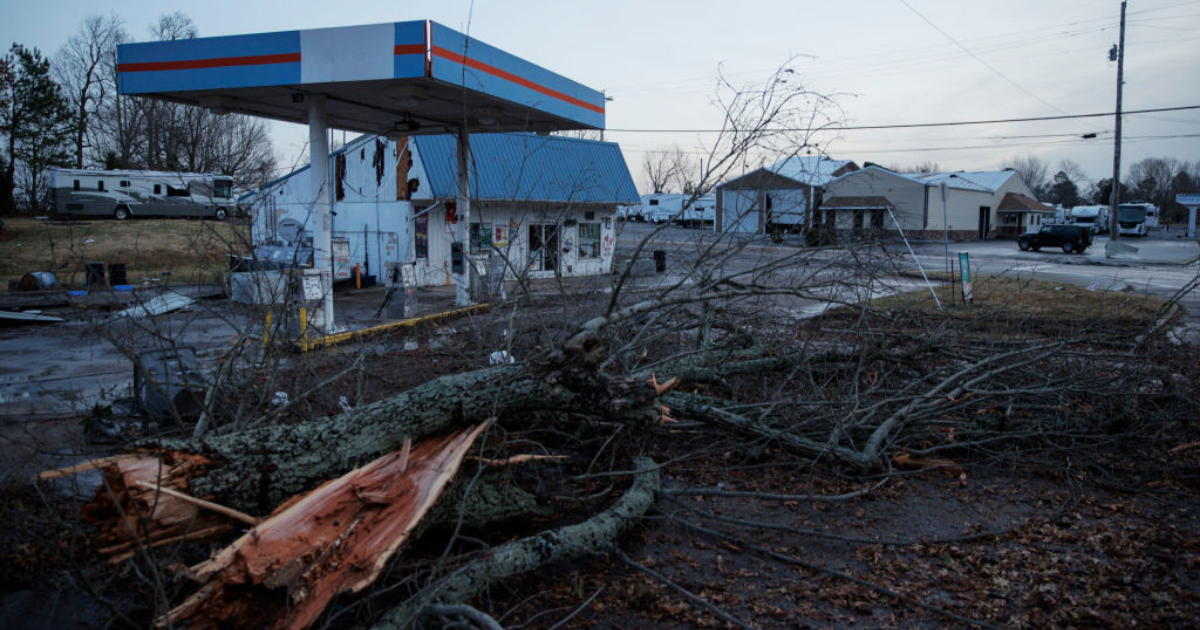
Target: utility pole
[
  {"x": 1116, "y": 180},
  {"x": 607, "y": 99}
]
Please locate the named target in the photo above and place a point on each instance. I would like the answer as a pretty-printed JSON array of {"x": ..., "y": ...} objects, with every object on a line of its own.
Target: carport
[{"x": 394, "y": 79}]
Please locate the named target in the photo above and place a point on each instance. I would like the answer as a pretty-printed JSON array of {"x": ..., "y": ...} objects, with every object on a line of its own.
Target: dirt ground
[{"x": 1006, "y": 545}]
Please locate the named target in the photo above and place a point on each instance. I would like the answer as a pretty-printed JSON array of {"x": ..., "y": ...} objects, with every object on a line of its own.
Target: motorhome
[
  {"x": 1136, "y": 219},
  {"x": 125, "y": 194},
  {"x": 1094, "y": 216}
]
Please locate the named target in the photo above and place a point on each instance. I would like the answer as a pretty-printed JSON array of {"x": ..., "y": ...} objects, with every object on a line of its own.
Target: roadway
[{"x": 1164, "y": 264}]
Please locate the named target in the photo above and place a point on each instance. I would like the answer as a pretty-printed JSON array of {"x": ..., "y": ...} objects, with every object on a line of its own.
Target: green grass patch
[{"x": 185, "y": 250}]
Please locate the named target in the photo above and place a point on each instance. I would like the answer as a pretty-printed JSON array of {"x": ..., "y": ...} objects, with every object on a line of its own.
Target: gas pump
[
  {"x": 307, "y": 317},
  {"x": 401, "y": 296}
]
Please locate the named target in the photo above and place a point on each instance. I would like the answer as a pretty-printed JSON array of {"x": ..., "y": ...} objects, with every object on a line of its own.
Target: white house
[
  {"x": 540, "y": 205},
  {"x": 963, "y": 204},
  {"x": 776, "y": 197}
]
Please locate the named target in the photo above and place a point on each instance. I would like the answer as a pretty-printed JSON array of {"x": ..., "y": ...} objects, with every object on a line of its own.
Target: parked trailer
[
  {"x": 125, "y": 194},
  {"x": 702, "y": 213},
  {"x": 674, "y": 208},
  {"x": 1094, "y": 216}
]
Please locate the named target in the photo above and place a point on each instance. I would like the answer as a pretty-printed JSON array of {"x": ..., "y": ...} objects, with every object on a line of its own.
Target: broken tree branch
[{"x": 572, "y": 541}]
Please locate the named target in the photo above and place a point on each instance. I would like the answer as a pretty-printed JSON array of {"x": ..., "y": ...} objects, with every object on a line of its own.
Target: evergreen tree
[
  {"x": 1103, "y": 192},
  {"x": 1063, "y": 191},
  {"x": 38, "y": 123},
  {"x": 5, "y": 97}
]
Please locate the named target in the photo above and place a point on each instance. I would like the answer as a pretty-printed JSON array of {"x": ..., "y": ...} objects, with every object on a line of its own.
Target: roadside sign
[
  {"x": 964, "y": 267},
  {"x": 1188, "y": 199}
]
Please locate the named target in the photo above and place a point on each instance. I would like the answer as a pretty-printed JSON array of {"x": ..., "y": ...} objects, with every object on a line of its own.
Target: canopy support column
[
  {"x": 322, "y": 222},
  {"x": 462, "y": 277}
]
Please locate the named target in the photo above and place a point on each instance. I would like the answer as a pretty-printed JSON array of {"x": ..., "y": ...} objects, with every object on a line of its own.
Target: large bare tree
[
  {"x": 1032, "y": 170},
  {"x": 79, "y": 68},
  {"x": 131, "y": 132}
]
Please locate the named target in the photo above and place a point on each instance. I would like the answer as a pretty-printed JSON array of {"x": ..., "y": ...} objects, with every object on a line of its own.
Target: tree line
[
  {"x": 1153, "y": 180},
  {"x": 66, "y": 111}
]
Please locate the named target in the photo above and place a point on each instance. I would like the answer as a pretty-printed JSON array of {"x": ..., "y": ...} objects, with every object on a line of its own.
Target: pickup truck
[{"x": 1071, "y": 238}]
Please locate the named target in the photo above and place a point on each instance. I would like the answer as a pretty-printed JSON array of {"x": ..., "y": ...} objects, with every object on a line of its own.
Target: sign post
[
  {"x": 1191, "y": 201},
  {"x": 964, "y": 267}
]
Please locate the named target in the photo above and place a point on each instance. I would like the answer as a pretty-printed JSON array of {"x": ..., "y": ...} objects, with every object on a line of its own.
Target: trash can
[
  {"x": 660, "y": 261},
  {"x": 116, "y": 274},
  {"x": 95, "y": 273},
  {"x": 36, "y": 281}
]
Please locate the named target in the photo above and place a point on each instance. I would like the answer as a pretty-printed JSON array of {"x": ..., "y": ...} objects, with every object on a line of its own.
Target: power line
[
  {"x": 958, "y": 123},
  {"x": 962, "y": 147},
  {"x": 981, "y": 60}
]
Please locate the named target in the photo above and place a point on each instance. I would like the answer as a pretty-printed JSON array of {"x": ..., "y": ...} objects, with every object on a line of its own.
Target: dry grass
[
  {"x": 1031, "y": 308},
  {"x": 186, "y": 250}
]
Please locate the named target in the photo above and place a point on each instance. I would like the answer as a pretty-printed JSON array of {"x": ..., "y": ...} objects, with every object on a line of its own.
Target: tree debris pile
[{"x": 763, "y": 427}]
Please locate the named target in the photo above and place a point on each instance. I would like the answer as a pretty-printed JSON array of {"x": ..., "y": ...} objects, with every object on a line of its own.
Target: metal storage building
[
  {"x": 777, "y": 196},
  {"x": 964, "y": 205}
]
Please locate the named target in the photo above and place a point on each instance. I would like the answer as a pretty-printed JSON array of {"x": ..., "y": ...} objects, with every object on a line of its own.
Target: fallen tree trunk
[
  {"x": 256, "y": 470},
  {"x": 572, "y": 541}
]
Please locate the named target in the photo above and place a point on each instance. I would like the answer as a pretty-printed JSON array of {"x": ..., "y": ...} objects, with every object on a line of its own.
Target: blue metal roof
[{"x": 529, "y": 167}]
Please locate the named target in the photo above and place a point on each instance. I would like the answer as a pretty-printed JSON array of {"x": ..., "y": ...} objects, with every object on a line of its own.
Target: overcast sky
[{"x": 887, "y": 62}]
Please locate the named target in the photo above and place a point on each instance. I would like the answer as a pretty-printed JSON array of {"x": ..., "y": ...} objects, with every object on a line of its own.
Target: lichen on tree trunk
[
  {"x": 523, "y": 555},
  {"x": 257, "y": 470}
]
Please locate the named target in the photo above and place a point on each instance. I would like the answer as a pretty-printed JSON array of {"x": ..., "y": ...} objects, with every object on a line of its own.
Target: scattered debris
[
  {"x": 280, "y": 399},
  {"x": 159, "y": 305},
  {"x": 500, "y": 357},
  {"x": 168, "y": 384},
  {"x": 344, "y": 404},
  {"x": 17, "y": 318}
]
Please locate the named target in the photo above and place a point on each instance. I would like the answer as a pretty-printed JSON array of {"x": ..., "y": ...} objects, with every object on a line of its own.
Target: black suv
[{"x": 1072, "y": 238}]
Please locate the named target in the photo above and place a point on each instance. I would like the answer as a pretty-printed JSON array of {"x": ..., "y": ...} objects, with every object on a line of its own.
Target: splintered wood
[
  {"x": 132, "y": 512},
  {"x": 336, "y": 539}
]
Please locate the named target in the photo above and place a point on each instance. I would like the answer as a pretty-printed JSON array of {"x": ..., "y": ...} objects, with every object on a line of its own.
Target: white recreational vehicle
[
  {"x": 1094, "y": 216},
  {"x": 1136, "y": 219},
  {"x": 125, "y": 194}
]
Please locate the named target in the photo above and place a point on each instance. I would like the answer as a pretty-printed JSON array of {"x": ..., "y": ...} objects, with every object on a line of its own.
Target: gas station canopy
[{"x": 401, "y": 78}]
